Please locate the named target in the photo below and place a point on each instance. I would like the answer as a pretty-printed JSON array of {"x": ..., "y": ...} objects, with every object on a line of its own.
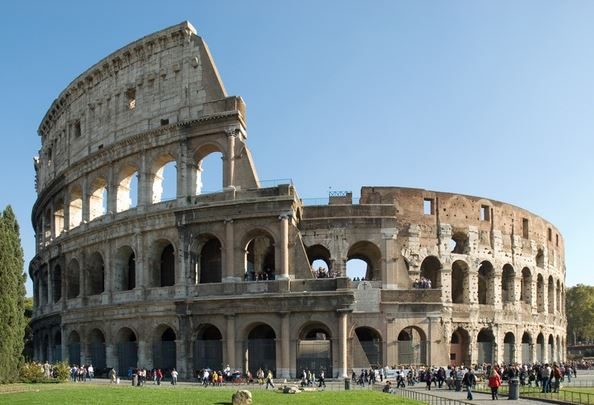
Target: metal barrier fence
[
  {"x": 565, "y": 394},
  {"x": 428, "y": 398}
]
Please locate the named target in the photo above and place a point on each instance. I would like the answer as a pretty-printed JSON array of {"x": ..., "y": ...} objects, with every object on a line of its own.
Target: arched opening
[
  {"x": 459, "y": 243},
  {"x": 95, "y": 274},
  {"x": 558, "y": 297},
  {"x": 459, "y": 282},
  {"x": 367, "y": 348},
  {"x": 558, "y": 349},
  {"x": 526, "y": 342},
  {"x": 127, "y": 351},
  {"x": 485, "y": 340},
  {"x": 98, "y": 198},
  {"x": 551, "y": 349},
  {"x": 211, "y": 268},
  {"x": 540, "y": 293},
  {"x": 208, "y": 348},
  {"x": 412, "y": 346},
  {"x": 430, "y": 268},
  {"x": 74, "y": 348},
  {"x": 57, "y": 283},
  {"x": 97, "y": 349},
  {"x": 164, "y": 179},
  {"x": 59, "y": 217},
  {"x": 459, "y": 348},
  {"x": 486, "y": 284},
  {"x": 164, "y": 350},
  {"x": 75, "y": 207},
  {"x": 44, "y": 285},
  {"x": 47, "y": 225},
  {"x": 508, "y": 283},
  {"x": 509, "y": 344},
  {"x": 540, "y": 258},
  {"x": 73, "y": 279},
  {"x": 162, "y": 260},
  {"x": 314, "y": 350},
  {"x": 125, "y": 269},
  {"x": 57, "y": 348},
  {"x": 259, "y": 258},
  {"x": 209, "y": 176},
  {"x": 551, "y": 295},
  {"x": 319, "y": 260},
  {"x": 261, "y": 349},
  {"x": 370, "y": 254},
  {"x": 127, "y": 192},
  {"x": 526, "y": 288},
  {"x": 540, "y": 348}
]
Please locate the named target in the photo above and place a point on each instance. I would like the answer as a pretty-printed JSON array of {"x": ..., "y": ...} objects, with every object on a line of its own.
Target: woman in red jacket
[{"x": 494, "y": 383}]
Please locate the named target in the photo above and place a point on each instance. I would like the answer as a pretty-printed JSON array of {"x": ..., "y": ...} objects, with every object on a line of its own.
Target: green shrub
[
  {"x": 31, "y": 372},
  {"x": 62, "y": 371}
]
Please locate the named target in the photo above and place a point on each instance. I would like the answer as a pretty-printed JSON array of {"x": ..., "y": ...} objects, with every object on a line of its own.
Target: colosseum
[{"x": 251, "y": 275}]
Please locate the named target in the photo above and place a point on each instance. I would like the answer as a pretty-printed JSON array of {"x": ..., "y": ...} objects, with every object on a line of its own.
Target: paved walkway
[{"x": 478, "y": 398}]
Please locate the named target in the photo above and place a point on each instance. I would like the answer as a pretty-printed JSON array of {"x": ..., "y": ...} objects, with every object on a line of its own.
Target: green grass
[{"x": 182, "y": 394}]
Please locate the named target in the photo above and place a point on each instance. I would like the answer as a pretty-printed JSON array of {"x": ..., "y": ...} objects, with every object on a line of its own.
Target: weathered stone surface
[{"x": 242, "y": 397}]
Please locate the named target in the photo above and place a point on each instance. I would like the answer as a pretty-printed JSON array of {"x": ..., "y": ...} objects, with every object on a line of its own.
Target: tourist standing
[{"x": 494, "y": 383}]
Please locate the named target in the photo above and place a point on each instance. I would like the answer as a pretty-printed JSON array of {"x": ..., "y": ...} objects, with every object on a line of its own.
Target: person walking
[
  {"x": 469, "y": 381},
  {"x": 322, "y": 379},
  {"x": 494, "y": 383},
  {"x": 269, "y": 379}
]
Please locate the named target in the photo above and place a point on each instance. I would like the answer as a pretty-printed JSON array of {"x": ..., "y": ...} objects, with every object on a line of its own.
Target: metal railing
[
  {"x": 428, "y": 398},
  {"x": 565, "y": 394}
]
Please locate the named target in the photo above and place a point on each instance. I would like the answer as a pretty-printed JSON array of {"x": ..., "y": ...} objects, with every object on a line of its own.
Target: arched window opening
[
  {"x": 57, "y": 283},
  {"x": 47, "y": 225},
  {"x": 485, "y": 341},
  {"x": 551, "y": 295},
  {"x": 211, "y": 269},
  {"x": 44, "y": 285},
  {"x": 57, "y": 348},
  {"x": 526, "y": 288},
  {"x": 459, "y": 282},
  {"x": 209, "y": 177},
  {"x": 508, "y": 285},
  {"x": 314, "y": 350},
  {"x": 367, "y": 348},
  {"x": 486, "y": 284},
  {"x": 459, "y": 243},
  {"x": 95, "y": 274},
  {"x": 261, "y": 349},
  {"x": 319, "y": 259},
  {"x": 127, "y": 347},
  {"x": 459, "y": 347},
  {"x": 74, "y": 348},
  {"x": 165, "y": 179},
  {"x": 125, "y": 269},
  {"x": 97, "y": 349},
  {"x": 368, "y": 253},
  {"x": 509, "y": 342},
  {"x": 526, "y": 342},
  {"x": 551, "y": 349},
  {"x": 430, "y": 269},
  {"x": 98, "y": 199},
  {"x": 540, "y": 258},
  {"x": 164, "y": 349},
  {"x": 259, "y": 259},
  {"x": 75, "y": 208},
  {"x": 167, "y": 266},
  {"x": 540, "y": 293},
  {"x": 540, "y": 348},
  {"x": 127, "y": 192},
  {"x": 73, "y": 279},
  {"x": 208, "y": 348},
  {"x": 412, "y": 346},
  {"x": 59, "y": 217},
  {"x": 558, "y": 297}
]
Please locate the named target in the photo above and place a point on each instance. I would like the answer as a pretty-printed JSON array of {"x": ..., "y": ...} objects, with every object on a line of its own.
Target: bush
[
  {"x": 62, "y": 371},
  {"x": 33, "y": 373}
]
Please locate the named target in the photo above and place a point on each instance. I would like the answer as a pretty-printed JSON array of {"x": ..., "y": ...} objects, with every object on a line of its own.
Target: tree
[
  {"x": 12, "y": 297},
  {"x": 579, "y": 308}
]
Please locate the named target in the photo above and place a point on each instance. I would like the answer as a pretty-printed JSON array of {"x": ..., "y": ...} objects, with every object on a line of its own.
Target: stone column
[
  {"x": 389, "y": 271},
  {"x": 52, "y": 221},
  {"x": 230, "y": 342},
  {"x": 445, "y": 276},
  {"x": 141, "y": 282},
  {"x": 145, "y": 190},
  {"x": 342, "y": 343},
  {"x": 284, "y": 247},
  {"x": 230, "y": 158},
  {"x": 533, "y": 294},
  {"x": 85, "y": 200},
  {"x": 229, "y": 271},
  {"x": 50, "y": 290},
  {"x": 283, "y": 371}
]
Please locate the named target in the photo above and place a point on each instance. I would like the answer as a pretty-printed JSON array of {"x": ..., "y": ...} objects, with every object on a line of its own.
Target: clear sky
[{"x": 488, "y": 98}]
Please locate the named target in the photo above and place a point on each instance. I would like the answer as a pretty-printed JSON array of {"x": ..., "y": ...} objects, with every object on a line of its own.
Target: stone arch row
[
  {"x": 527, "y": 286},
  {"x": 525, "y": 350},
  {"x": 129, "y": 184},
  {"x": 365, "y": 251}
]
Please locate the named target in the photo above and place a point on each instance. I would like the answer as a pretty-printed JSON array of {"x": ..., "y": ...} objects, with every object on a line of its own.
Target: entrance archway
[
  {"x": 127, "y": 351},
  {"x": 485, "y": 341},
  {"x": 314, "y": 350},
  {"x": 412, "y": 346},
  {"x": 367, "y": 348},
  {"x": 261, "y": 349},
  {"x": 164, "y": 350},
  {"x": 208, "y": 348},
  {"x": 459, "y": 345}
]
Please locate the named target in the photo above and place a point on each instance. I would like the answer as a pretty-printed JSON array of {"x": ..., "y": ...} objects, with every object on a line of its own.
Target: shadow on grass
[{"x": 223, "y": 403}]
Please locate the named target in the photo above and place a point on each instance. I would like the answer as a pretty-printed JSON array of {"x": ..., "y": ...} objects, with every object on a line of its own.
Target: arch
[
  {"x": 314, "y": 349},
  {"x": 164, "y": 348},
  {"x": 540, "y": 348},
  {"x": 540, "y": 303},
  {"x": 162, "y": 263},
  {"x": 459, "y": 347},
  {"x": 59, "y": 217},
  {"x": 57, "y": 347},
  {"x": 558, "y": 349},
  {"x": 260, "y": 352},
  {"x": 98, "y": 198},
  {"x": 551, "y": 348},
  {"x": 319, "y": 256},
  {"x": 74, "y": 348},
  {"x": 558, "y": 297},
  {"x": 551, "y": 295},
  {"x": 75, "y": 207},
  {"x": 369, "y": 253},
  {"x": 526, "y": 343},
  {"x": 127, "y": 347},
  {"x": 430, "y": 268},
  {"x": 460, "y": 282},
  {"x": 412, "y": 346},
  {"x": 57, "y": 283},
  {"x": 208, "y": 348},
  {"x": 509, "y": 347},
  {"x": 486, "y": 284},
  {"x": 127, "y": 188},
  {"x": 44, "y": 285},
  {"x": 97, "y": 349},
  {"x": 526, "y": 286},
  {"x": 539, "y": 259},
  {"x": 95, "y": 274},
  {"x": 508, "y": 284},
  {"x": 459, "y": 243},
  {"x": 367, "y": 348},
  {"x": 209, "y": 169},
  {"x": 485, "y": 340},
  {"x": 260, "y": 257},
  {"x": 125, "y": 269},
  {"x": 45, "y": 348},
  {"x": 164, "y": 176},
  {"x": 211, "y": 268},
  {"x": 73, "y": 279}
]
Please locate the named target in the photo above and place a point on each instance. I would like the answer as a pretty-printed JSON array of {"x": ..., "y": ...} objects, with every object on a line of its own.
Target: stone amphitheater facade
[{"x": 127, "y": 278}]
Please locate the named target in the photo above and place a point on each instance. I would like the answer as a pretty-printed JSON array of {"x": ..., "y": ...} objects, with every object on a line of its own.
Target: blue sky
[{"x": 488, "y": 98}]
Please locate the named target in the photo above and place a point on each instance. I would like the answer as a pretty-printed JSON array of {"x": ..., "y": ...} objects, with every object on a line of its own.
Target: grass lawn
[{"x": 69, "y": 393}]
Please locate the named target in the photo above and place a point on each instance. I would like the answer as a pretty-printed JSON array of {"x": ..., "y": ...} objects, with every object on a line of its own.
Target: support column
[
  {"x": 283, "y": 371},
  {"x": 229, "y": 270},
  {"x": 389, "y": 269},
  {"x": 445, "y": 276},
  {"x": 85, "y": 201},
  {"x": 141, "y": 281},
  {"x": 230, "y": 342},
  {"x": 342, "y": 343},
  {"x": 230, "y": 158},
  {"x": 284, "y": 247}
]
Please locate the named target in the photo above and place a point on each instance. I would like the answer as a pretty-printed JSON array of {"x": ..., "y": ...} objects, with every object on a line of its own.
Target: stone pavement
[{"x": 478, "y": 398}]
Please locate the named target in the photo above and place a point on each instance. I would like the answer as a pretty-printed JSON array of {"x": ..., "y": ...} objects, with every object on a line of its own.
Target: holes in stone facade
[
  {"x": 131, "y": 98},
  {"x": 540, "y": 293},
  {"x": 459, "y": 243},
  {"x": 164, "y": 121},
  {"x": 550, "y": 234}
]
